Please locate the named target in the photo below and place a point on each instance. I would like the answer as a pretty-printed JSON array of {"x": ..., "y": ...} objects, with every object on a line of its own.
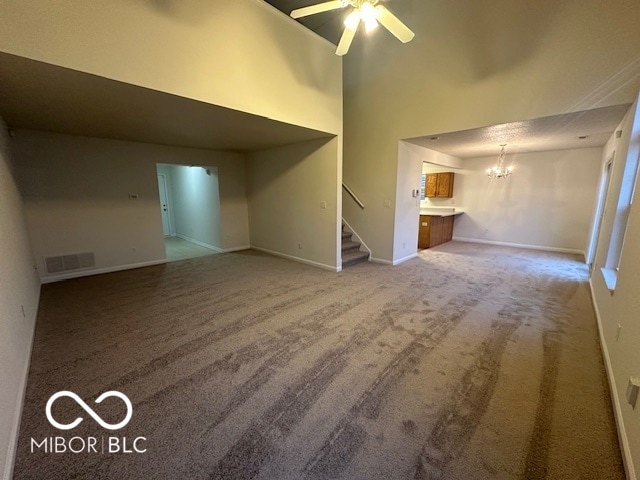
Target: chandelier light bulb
[{"x": 499, "y": 170}]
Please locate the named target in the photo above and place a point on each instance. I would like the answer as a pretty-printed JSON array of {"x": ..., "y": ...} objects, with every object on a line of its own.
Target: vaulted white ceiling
[{"x": 556, "y": 132}]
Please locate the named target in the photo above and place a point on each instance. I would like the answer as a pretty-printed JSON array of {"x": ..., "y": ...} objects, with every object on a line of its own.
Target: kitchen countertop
[{"x": 440, "y": 212}]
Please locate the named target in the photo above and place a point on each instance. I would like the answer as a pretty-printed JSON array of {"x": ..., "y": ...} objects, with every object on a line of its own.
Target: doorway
[
  {"x": 189, "y": 202},
  {"x": 164, "y": 204}
]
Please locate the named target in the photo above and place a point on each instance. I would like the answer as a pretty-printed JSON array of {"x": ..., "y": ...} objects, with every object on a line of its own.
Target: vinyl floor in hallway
[{"x": 180, "y": 249}]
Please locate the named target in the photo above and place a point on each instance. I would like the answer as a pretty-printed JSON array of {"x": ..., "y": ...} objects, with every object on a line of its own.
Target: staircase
[{"x": 351, "y": 253}]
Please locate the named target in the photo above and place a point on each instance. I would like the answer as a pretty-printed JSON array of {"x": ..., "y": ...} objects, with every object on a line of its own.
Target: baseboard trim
[
  {"x": 298, "y": 259},
  {"x": 520, "y": 245},
  {"x": 22, "y": 392},
  {"x": 199, "y": 243},
  {"x": 615, "y": 399},
  {"x": 404, "y": 259},
  {"x": 99, "y": 271},
  {"x": 381, "y": 260},
  {"x": 237, "y": 249}
]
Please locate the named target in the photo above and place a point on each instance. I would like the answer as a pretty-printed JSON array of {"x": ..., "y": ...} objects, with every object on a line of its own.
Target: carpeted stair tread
[
  {"x": 349, "y": 246},
  {"x": 352, "y": 258}
]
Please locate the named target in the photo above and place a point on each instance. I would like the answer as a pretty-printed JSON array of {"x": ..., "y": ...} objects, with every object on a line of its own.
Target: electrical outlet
[
  {"x": 386, "y": 203},
  {"x": 299, "y": 246},
  {"x": 323, "y": 205}
]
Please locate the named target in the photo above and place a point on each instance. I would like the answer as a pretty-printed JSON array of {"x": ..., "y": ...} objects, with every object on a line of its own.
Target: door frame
[{"x": 168, "y": 204}]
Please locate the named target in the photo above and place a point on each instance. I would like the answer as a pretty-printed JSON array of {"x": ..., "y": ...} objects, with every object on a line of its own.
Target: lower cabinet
[
  {"x": 424, "y": 231},
  {"x": 434, "y": 230}
]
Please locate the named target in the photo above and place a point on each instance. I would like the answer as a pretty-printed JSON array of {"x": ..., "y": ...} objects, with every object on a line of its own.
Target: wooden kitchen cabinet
[
  {"x": 424, "y": 231},
  {"x": 439, "y": 185},
  {"x": 431, "y": 185},
  {"x": 445, "y": 185},
  {"x": 434, "y": 230}
]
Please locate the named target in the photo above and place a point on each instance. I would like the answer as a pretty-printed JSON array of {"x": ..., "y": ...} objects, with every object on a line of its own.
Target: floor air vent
[{"x": 65, "y": 263}]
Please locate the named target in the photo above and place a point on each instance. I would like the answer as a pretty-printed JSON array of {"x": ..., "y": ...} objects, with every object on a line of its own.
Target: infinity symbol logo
[{"x": 88, "y": 409}]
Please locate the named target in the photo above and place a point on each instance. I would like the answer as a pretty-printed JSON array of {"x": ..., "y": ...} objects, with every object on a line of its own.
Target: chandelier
[{"x": 499, "y": 170}]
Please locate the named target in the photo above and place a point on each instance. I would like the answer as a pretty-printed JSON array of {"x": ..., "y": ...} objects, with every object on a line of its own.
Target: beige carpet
[{"x": 469, "y": 362}]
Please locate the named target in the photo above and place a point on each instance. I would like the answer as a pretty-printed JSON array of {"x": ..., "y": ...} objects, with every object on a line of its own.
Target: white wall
[
  {"x": 76, "y": 193},
  {"x": 621, "y": 308},
  {"x": 286, "y": 188},
  {"x": 407, "y": 207},
  {"x": 241, "y": 54},
  {"x": 547, "y": 202},
  {"x": 19, "y": 295},
  {"x": 196, "y": 204},
  {"x": 473, "y": 65}
]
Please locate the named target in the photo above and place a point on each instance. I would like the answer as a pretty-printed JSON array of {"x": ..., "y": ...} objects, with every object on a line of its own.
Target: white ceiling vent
[{"x": 65, "y": 263}]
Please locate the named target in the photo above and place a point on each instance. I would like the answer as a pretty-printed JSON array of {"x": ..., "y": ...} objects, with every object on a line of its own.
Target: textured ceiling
[{"x": 558, "y": 132}]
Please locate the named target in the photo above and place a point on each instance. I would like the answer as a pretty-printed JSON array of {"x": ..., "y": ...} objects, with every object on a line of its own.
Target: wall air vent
[{"x": 65, "y": 263}]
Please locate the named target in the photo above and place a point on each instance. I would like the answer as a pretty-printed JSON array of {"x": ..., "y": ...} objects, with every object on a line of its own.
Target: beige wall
[
  {"x": 287, "y": 187},
  {"x": 241, "y": 54},
  {"x": 471, "y": 65},
  {"x": 76, "y": 192},
  {"x": 621, "y": 309},
  {"x": 19, "y": 295},
  {"x": 547, "y": 202}
]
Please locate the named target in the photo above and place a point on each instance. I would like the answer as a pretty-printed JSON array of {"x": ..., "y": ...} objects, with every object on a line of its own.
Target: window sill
[{"x": 610, "y": 277}]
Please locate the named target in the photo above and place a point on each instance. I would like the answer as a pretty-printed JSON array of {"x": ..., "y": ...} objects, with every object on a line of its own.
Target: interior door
[{"x": 164, "y": 204}]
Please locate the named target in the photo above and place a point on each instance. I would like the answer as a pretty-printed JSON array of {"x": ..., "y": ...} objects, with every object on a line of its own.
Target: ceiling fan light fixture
[
  {"x": 370, "y": 12},
  {"x": 353, "y": 20},
  {"x": 369, "y": 16}
]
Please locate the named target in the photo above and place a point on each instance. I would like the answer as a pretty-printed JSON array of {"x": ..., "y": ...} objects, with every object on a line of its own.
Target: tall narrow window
[{"x": 600, "y": 212}]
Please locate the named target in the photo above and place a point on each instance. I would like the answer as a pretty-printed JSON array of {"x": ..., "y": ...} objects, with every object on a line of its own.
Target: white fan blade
[
  {"x": 394, "y": 25},
  {"x": 319, "y": 8},
  {"x": 345, "y": 41}
]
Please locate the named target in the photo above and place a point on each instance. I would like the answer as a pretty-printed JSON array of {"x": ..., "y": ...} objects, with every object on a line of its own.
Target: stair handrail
[{"x": 353, "y": 195}]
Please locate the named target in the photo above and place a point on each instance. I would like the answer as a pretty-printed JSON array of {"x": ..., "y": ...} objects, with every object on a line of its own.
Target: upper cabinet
[
  {"x": 439, "y": 185},
  {"x": 431, "y": 185}
]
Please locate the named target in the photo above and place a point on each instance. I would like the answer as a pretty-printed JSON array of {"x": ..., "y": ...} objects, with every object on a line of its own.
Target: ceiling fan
[{"x": 369, "y": 12}]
